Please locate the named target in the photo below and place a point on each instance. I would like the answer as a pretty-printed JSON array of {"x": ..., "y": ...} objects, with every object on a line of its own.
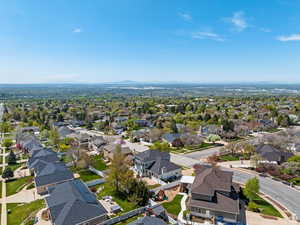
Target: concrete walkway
[{"x": 183, "y": 208}]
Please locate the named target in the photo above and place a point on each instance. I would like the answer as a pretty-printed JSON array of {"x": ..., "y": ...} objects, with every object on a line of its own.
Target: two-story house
[{"x": 213, "y": 195}]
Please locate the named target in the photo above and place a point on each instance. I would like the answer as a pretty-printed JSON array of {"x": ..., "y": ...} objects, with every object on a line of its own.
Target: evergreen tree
[{"x": 12, "y": 159}]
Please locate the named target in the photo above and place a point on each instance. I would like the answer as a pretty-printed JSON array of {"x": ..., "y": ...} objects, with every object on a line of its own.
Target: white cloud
[
  {"x": 207, "y": 35},
  {"x": 292, "y": 37},
  {"x": 77, "y": 30},
  {"x": 238, "y": 20},
  {"x": 186, "y": 17}
]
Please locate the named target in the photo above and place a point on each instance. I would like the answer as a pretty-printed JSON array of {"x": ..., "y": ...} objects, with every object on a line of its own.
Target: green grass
[
  {"x": 124, "y": 204},
  {"x": 295, "y": 181},
  {"x": 266, "y": 208},
  {"x": 30, "y": 186},
  {"x": 14, "y": 186},
  {"x": 229, "y": 158},
  {"x": 85, "y": 174},
  {"x": 98, "y": 163},
  {"x": 173, "y": 207},
  {"x": 16, "y": 166},
  {"x": 19, "y": 212},
  {"x": 199, "y": 147}
]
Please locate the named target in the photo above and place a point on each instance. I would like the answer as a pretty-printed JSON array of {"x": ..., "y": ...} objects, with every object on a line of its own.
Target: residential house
[
  {"x": 27, "y": 142},
  {"x": 213, "y": 195},
  {"x": 272, "y": 155},
  {"x": 96, "y": 143},
  {"x": 44, "y": 154},
  {"x": 207, "y": 130},
  {"x": 173, "y": 139},
  {"x": 47, "y": 174},
  {"x": 110, "y": 149},
  {"x": 143, "y": 123},
  {"x": 156, "y": 164},
  {"x": 64, "y": 131},
  {"x": 72, "y": 203}
]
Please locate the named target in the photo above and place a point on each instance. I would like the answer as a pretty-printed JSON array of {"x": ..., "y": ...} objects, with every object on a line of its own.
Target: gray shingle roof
[
  {"x": 151, "y": 155},
  {"x": 148, "y": 220},
  {"x": 162, "y": 166},
  {"x": 72, "y": 203},
  {"x": 50, "y": 172},
  {"x": 268, "y": 152},
  {"x": 44, "y": 154}
]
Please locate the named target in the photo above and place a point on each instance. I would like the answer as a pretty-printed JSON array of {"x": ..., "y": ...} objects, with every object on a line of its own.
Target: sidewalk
[{"x": 3, "y": 203}]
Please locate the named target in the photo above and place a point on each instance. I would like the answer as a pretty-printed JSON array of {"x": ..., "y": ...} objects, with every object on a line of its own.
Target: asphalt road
[{"x": 204, "y": 153}]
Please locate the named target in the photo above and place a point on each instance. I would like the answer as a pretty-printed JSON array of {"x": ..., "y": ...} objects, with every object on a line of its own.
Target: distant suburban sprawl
[{"x": 130, "y": 154}]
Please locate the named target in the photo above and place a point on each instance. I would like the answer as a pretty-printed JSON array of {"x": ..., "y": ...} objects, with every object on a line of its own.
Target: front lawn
[
  {"x": 266, "y": 208},
  {"x": 124, "y": 204},
  {"x": 15, "y": 185},
  {"x": 173, "y": 207},
  {"x": 229, "y": 158},
  {"x": 19, "y": 212},
  {"x": 262, "y": 206},
  {"x": 200, "y": 147}
]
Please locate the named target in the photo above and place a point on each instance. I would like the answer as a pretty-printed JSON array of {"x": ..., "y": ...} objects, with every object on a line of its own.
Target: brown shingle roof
[{"x": 210, "y": 180}]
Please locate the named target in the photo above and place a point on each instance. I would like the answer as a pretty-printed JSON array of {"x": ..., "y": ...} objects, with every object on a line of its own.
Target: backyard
[
  {"x": 173, "y": 207},
  {"x": 85, "y": 174},
  {"x": 98, "y": 163},
  {"x": 124, "y": 204}
]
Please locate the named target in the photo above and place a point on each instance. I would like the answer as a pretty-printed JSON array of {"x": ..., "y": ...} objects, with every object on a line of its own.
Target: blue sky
[{"x": 149, "y": 40}]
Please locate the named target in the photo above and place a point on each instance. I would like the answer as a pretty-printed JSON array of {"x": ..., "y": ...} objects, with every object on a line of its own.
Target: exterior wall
[
  {"x": 173, "y": 173},
  {"x": 206, "y": 213}
]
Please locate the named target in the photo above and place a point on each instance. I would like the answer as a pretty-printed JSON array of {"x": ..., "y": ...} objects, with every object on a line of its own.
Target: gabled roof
[
  {"x": 162, "y": 166},
  {"x": 71, "y": 203},
  {"x": 64, "y": 131},
  {"x": 152, "y": 155},
  {"x": 271, "y": 153},
  {"x": 210, "y": 180},
  {"x": 44, "y": 154},
  {"x": 50, "y": 172},
  {"x": 171, "y": 137},
  {"x": 148, "y": 220}
]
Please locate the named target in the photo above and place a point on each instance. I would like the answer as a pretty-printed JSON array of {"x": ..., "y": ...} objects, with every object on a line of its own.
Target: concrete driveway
[{"x": 24, "y": 196}]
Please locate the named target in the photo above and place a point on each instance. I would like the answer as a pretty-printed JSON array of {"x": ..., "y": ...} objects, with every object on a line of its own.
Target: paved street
[{"x": 204, "y": 153}]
